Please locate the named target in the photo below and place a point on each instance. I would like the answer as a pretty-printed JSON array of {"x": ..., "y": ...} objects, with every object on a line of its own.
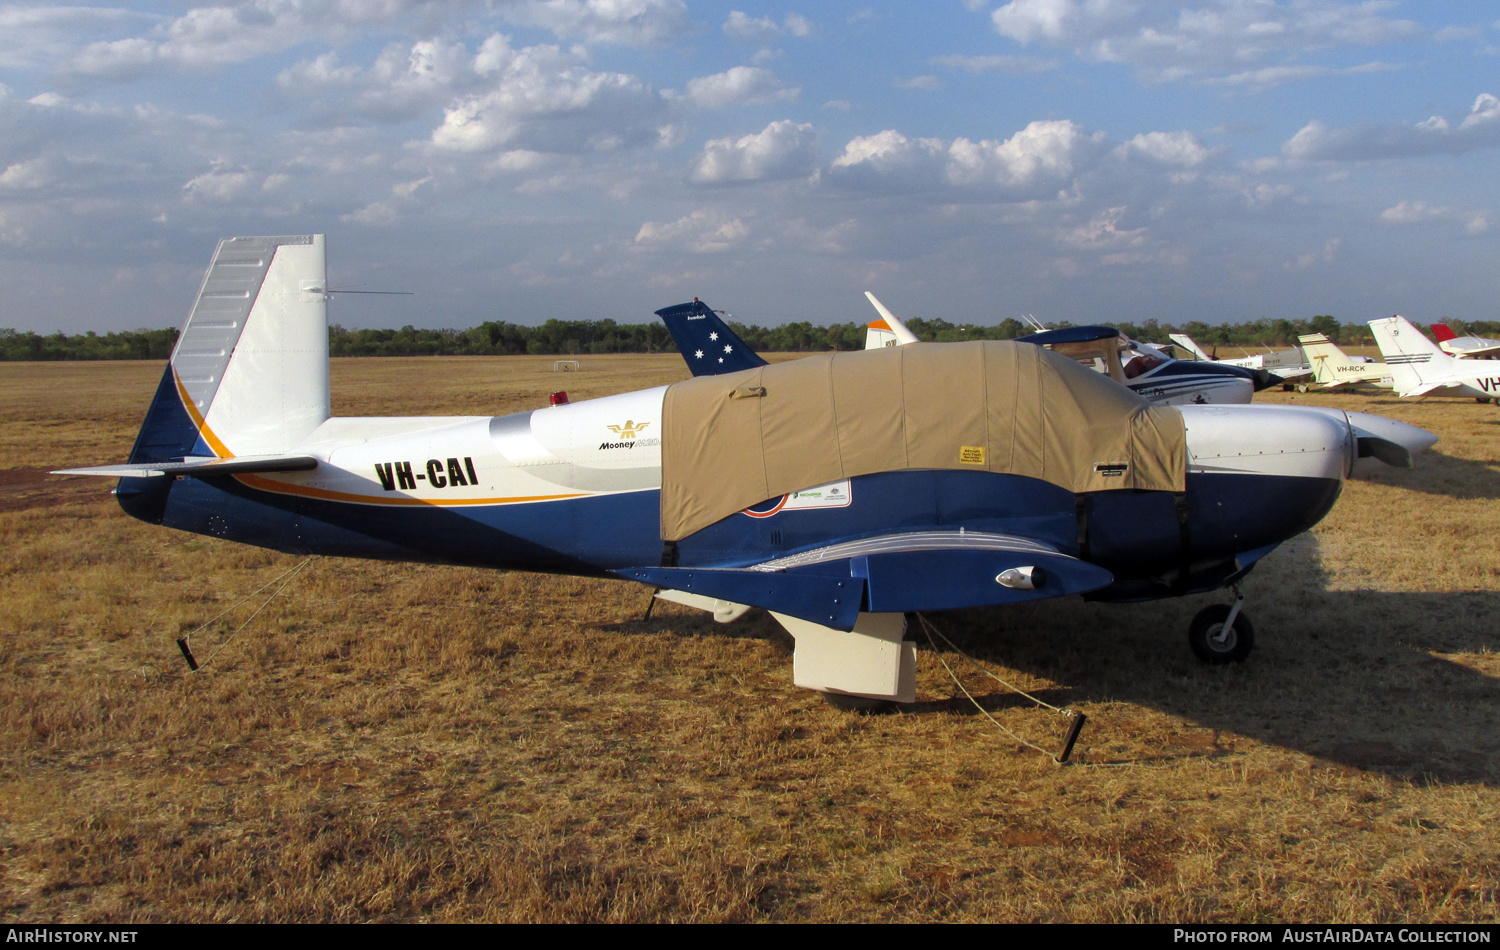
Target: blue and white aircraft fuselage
[{"x": 239, "y": 444}]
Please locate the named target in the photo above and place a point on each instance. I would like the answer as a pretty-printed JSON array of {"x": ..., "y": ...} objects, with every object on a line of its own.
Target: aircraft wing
[
  {"x": 201, "y": 467},
  {"x": 894, "y": 573},
  {"x": 1481, "y": 349},
  {"x": 1070, "y": 335}
]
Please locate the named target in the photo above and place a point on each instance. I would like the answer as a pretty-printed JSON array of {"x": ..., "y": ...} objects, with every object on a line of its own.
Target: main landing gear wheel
[{"x": 1216, "y": 643}]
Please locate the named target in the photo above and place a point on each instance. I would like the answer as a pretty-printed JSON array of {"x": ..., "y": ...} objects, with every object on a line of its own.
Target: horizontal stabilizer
[{"x": 202, "y": 467}]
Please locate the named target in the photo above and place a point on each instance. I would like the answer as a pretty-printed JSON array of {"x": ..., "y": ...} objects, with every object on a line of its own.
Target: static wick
[
  {"x": 1074, "y": 728},
  {"x": 187, "y": 653}
]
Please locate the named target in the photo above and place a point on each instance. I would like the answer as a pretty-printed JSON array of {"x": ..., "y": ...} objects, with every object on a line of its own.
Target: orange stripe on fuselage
[
  {"x": 307, "y": 491},
  {"x": 218, "y": 447}
]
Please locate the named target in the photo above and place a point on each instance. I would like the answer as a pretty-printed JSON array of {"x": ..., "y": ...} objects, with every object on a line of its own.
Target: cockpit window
[{"x": 1141, "y": 364}]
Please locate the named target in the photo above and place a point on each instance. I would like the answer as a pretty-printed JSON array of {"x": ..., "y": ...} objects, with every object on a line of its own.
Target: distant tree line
[
  {"x": 129, "y": 345},
  {"x": 582, "y": 337}
]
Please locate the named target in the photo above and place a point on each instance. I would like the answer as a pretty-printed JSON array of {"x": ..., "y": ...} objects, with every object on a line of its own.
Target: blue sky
[{"x": 1083, "y": 160}]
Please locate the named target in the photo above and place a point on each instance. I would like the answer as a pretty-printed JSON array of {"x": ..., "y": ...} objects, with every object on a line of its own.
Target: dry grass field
[{"x": 389, "y": 742}]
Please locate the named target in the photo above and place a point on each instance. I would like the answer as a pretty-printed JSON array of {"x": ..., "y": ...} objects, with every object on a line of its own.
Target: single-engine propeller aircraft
[
  {"x": 711, "y": 348},
  {"x": 1419, "y": 368},
  {"x": 1332, "y": 367},
  {"x": 837, "y": 491},
  {"x": 1290, "y": 365},
  {"x": 1159, "y": 378},
  {"x": 1465, "y": 347}
]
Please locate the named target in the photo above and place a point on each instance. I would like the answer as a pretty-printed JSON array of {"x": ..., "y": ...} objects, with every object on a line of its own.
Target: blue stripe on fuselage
[{"x": 1133, "y": 534}]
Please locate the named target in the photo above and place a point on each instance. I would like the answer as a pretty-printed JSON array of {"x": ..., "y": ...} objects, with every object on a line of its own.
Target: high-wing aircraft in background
[
  {"x": 1159, "y": 378},
  {"x": 1333, "y": 367},
  {"x": 710, "y": 347},
  {"x": 944, "y": 476},
  {"x": 1419, "y": 368},
  {"x": 1290, "y": 365},
  {"x": 1465, "y": 347},
  {"x": 1143, "y": 368}
]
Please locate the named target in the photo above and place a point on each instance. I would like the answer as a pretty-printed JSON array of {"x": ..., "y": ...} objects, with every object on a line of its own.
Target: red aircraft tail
[{"x": 1443, "y": 334}]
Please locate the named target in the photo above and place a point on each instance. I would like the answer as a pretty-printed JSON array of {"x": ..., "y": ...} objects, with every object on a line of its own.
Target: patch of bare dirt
[{"x": 22, "y": 488}]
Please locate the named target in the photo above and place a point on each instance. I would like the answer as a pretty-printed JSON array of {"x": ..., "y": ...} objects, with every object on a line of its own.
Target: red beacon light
[{"x": 560, "y": 398}]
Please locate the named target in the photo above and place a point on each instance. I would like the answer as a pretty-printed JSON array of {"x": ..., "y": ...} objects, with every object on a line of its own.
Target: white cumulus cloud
[
  {"x": 1415, "y": 212},
  {"x": 747, "y": 29},
  {"x": 541, "y": 99},
  {"x": 781, "y": 150},
  {"x": 1170, "y": 148},
  {"x": 1036, "y": 162},
  {"x": 1434, "y": 136},
  {"x": 624, "y": 22},
  {"x": 739, "y": 86},
  {"x": 1167, "y": 41},
  {"x": 705, "y": 231}
]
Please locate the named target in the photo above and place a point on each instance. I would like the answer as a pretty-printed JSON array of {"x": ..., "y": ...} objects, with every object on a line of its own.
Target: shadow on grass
[
  {"x": 1361, "y": 679},
  {"x": 1439, "y": 474},
  {"x": 1365, "y": 679}
]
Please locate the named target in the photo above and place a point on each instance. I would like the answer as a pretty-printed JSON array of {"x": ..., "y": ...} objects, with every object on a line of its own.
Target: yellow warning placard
[{"x": 971, "y": 454}]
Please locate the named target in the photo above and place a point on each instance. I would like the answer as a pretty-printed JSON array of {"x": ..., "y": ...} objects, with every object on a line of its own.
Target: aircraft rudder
[
  {"x": 1412, "y": 358},
  {"x": 252, "y": 361}
]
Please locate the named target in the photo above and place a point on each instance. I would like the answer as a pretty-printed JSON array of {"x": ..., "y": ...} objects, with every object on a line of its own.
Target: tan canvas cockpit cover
[{"x": 732, "y": 441}]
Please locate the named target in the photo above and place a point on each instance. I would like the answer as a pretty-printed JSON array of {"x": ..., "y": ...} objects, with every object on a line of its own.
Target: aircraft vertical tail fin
[
  {"x": 1325, "y": 358},
  {"x": 707, "y": 344},
  {"x": 1189, "y": 344},
  {"x": 1415, "y": 361},
  {"x": 893, "y": 323},
  {"x": 1442, "y": 332},
  {"x": 249, "y": 374}
]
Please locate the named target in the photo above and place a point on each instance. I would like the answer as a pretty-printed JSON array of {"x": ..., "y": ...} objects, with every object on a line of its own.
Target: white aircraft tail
[
  {"x": 1417, "y": 365},
  {"x": 1331, "y": 366},
  {"x": 1187, "y": 343},
  {"x": 251, "y": 366},
  {"x": 898, "y": 330}
]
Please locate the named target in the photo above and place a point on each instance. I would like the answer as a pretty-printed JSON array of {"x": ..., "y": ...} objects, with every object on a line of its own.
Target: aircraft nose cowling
[{"x": 1267, "y": 440}]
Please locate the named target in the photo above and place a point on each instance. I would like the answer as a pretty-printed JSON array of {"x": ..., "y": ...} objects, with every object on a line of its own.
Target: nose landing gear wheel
[{"x": 1214, "y": 642}]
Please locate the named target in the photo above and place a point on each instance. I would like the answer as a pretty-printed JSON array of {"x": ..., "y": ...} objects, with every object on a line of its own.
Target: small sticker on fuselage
[{"x": 832, "y": 495}]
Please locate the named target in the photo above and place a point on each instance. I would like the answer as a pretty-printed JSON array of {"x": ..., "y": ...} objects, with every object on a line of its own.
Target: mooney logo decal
[
  {"x": 438, "y": 474},
  {"x": 629, "y": 430}
]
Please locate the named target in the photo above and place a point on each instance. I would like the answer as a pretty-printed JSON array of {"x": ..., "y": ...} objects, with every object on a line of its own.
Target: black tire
[
  {"x": 864, "y": 705},
  {"x": 1212, "y": 644}
]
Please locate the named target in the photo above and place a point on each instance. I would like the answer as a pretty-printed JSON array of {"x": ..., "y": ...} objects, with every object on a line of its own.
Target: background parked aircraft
[
  {"x": 1420, "y": 368},
  {"x": 1290, "y": 365},
  {"x": 1332, "y": 367},
  {"x": 1465, "y": 347}
]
